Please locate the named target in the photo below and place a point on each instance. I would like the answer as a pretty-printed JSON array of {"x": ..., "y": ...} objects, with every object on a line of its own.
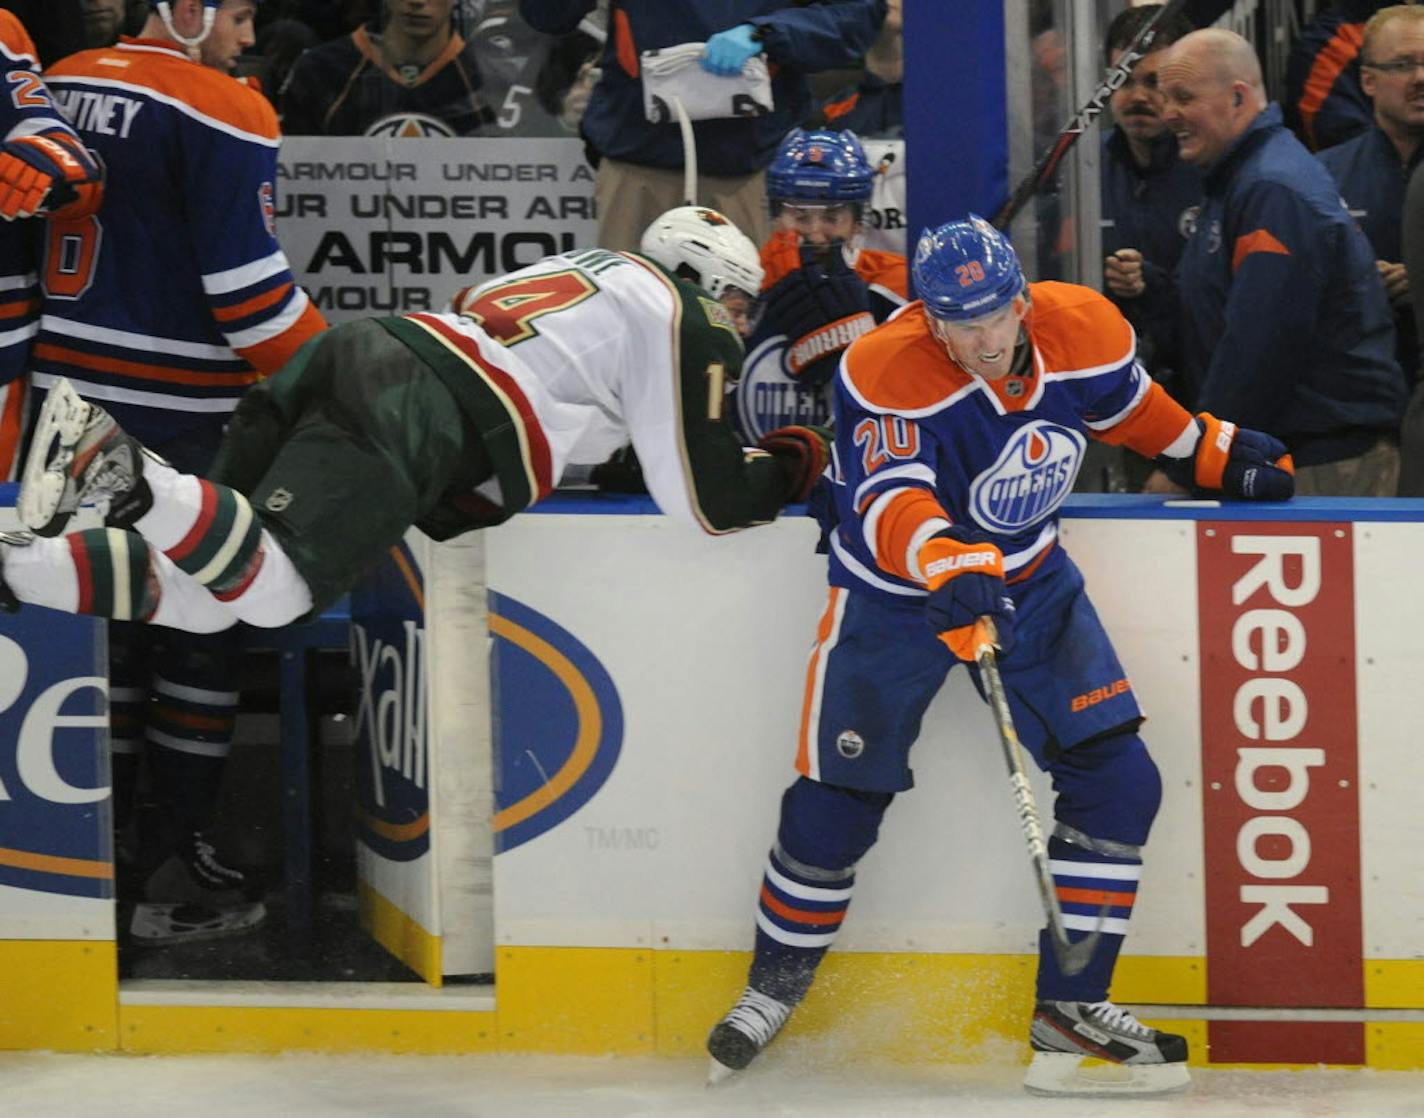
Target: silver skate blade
[
  {"x": 718, "y": 1073},
  {"x": 1066, "y": 1073},
  {"x": 42, "y": 482}
]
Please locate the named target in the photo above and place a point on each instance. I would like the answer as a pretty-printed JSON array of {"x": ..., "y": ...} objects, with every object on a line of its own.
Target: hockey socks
[
  {"x": 206, "y": 529},
  {"x": 1090, "y": 886}
]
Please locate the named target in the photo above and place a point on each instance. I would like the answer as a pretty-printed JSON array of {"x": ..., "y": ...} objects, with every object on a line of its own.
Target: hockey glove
[
  {"x": 728, "y": 51},
  {"x": 803, "y": 452},
  {"x": 49, "y": 173},
  {"x": 1239, "y": 463},
  {"x": 821, "y": 311},
  {"x": 966, "y": 582}
]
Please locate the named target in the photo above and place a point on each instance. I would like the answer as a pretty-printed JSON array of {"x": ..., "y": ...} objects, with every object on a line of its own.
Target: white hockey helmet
[{"x": 700, "y": 245}]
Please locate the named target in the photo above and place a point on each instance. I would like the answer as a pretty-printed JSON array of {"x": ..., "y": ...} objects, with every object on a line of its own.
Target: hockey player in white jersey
[{"x": 447, "y": 421}]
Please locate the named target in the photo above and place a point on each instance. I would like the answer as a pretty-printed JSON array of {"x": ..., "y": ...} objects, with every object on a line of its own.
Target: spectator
[
  {"x": 873, "y": 108},
  {"x": 640, "y": 163},
  {"x": 1325, "y": 103},
  {"x": 1372, "y": 170},
  {"x": 511, "y": 55},
  {"x": 1411, "y": 432},
  {"x": 1149, "y": 201},
  {"x": 1284, "y": 322},
  {"x": 168, "y": 304},
  {"x": 103, "y": 21},
  {"x": 415, "y": 76}
]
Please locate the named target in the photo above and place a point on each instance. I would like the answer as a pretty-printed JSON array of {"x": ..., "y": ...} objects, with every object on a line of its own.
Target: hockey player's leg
[
  {"x": 805, "y": 892},
  {"x": 1108, "y": 793}
]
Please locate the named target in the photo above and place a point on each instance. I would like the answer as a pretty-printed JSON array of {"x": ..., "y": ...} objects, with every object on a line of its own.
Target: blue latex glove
[{"x": 728, "y": 51}]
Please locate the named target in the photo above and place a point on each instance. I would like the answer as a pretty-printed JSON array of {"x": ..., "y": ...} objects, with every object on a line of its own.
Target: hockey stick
[
  {"x": 1047, "y": 166},
  {"x": 1072, "y": 957}
]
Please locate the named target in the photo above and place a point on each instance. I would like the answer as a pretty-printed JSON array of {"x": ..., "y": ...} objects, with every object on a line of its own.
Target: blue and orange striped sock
[
  {"x": 1086, "y": 880},
  {"x": 799, "y": 911}
]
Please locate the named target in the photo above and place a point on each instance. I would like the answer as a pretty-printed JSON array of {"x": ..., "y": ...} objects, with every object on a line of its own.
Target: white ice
[{"x": 785, "y": 1084}]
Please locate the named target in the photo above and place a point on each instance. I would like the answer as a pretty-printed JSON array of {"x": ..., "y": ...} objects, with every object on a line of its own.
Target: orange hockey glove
[{"x": 966, "y": 582}]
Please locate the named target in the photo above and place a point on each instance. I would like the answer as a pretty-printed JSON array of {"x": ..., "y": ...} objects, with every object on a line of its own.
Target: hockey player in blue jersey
[
  {"x": 823, "y": 288},
  {"x": 960, "y": 426}
]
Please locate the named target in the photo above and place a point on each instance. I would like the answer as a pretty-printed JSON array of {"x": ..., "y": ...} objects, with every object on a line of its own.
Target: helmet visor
[
  {"x": 744, "y": 307},
  {"x": 817, "y": 223}
]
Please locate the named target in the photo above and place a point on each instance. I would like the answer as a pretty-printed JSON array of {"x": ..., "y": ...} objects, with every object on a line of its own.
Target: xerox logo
[{"x": 1281, "y": 808}]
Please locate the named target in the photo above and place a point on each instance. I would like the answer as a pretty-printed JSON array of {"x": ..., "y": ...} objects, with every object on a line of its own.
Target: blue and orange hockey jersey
[
  {"x": 922, "y": 444},
  {"x": 176, "y": 296},
  {"x": 26, "y": 111}
]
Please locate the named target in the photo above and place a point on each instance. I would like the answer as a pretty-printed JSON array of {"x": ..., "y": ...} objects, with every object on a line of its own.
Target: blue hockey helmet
[
  {"x": 966, "y": 269},
  {"x": 820, "y": 166}
]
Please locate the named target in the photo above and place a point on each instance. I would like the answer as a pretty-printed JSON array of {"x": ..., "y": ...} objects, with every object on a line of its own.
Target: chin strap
[{"x": 191, "y": 44}]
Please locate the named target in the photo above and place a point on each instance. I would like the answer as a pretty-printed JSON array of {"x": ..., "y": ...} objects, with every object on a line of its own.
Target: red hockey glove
[
  {"x": 1241, "y": 463},
  {"x": 48, "y": 173},
  {"x": 966, "y": 582},
  {"x": 804, "y": 452}
]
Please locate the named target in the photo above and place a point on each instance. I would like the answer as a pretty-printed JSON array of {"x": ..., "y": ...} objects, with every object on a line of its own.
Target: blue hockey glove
[
  {"x": 804, "y": 452},
  {"x": 1239, "y": 463},
  {"x": 821, "y": 310},
  {"x": 728, "y": 51},
  {"x": 965, "y": 577}
]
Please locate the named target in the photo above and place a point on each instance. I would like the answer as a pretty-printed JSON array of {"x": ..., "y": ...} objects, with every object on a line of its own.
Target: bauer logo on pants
[{"x": 1280, "y": 786}]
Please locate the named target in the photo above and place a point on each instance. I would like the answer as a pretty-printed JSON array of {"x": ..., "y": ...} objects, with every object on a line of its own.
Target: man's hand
[
  {"x": 821, "y": 311},
  {"x": 1396, "y": 282},
  {"x": 45, "y": 174},
  {"x": 1122, "y": 273},
  {"x": 966, "y": 582},
  {"x": 804, "y": 452},
  {"x": 728, "y": 51}
]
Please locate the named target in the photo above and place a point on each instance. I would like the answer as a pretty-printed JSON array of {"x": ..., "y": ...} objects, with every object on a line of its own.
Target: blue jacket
[
  {"x": 1325, "y": 104},
  {"x": 1372, "y": 179},
  {"x": 1151, "y": 209},
  {"x": 798, "y": 39},
  {"x": 1284, "y": 322}
]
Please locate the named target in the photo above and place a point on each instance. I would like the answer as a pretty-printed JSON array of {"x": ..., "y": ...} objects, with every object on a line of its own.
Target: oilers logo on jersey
[
  {"x": 1032, "y": 475},
  {"x": 769, "y": 397}
]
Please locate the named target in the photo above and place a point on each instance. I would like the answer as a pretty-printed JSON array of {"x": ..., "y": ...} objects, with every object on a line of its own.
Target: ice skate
[
  {"x": 1097, "y": 1048},
  {"x": 193, "y": 896},
  {"x": 79, "y": 454},
  {"x": 746, "y": 1030}
]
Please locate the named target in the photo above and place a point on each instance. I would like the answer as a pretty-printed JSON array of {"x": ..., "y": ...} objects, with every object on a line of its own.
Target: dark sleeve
[
  {"x": 302, "y": 100},
  {"x": 821, "y": 36},
  {"x": 554, "y": 17},
  {"x": 1278, "y": 248},
  {"x": 1414, "y": 244}
]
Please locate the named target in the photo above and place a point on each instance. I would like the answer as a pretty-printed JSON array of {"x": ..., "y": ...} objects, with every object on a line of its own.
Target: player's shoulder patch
[
  {"x": 899, "y": 367},
  {"x": 1076, "y": 328},
  {"x": 716, "y": 313}
]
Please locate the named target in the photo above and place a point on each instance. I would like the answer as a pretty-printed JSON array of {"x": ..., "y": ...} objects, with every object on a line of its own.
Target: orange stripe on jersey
[
  {"x": 905, "y": 514},
  {"x": 834, "y": 110},
  {"x": 1023, "y": 574},
  {"x": 269, "y": 356},
  {"x": 18, "y": 306},
  {"x": 1258, "y": 240},
  {"x": 624, "y": 48},
  {"x": 888, "y": 269},
  {"x": 253, "y": 305},
  {"x": 1075, "y": 328},
  {"x": 142, "y": 371},
  {"x": 814, "y": 670},
  {"x": 1151, "y": 427},
  {"x": 164, "y": 68},
  {"x": 13, "y": 34},
  {"x": 899, "y": 367},
  {"x": 1338, "y": 52}
]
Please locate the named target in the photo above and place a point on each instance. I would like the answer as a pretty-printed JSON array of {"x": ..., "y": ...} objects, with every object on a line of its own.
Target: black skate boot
[
  {"x": 193, "y": 896},
  {"x": 746, "y": 1030},
  {"x": 1097, "y": 1048},
  {"x": 80, "y": 454}
]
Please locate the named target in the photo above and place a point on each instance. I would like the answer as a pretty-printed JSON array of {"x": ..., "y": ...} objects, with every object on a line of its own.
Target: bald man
[{"x": 1283, "y": 322}]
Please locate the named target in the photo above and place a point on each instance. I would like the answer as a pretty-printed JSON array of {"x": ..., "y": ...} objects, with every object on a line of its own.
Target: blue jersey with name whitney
[{"x": 915, "y": 430}]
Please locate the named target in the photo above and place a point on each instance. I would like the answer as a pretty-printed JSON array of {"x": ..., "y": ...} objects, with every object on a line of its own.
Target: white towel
[{"x": 676, "y": 72}]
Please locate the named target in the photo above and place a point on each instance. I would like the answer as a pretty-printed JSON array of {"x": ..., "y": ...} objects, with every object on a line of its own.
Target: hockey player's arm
[
  {"x": 820, "y": 36},
  {"x": 554, "y": 17},
  {"x": 1271, "y": 309},
  {"x": 253, "y": 297}
]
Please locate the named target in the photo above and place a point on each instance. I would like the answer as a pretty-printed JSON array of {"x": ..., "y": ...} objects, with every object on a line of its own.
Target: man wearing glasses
[
  {"x": 1284, "y": 324},
  {"x": 1373, "y": 169}
]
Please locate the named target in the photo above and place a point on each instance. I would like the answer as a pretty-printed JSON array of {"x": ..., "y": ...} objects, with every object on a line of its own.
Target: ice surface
[{"x": 784, "y": 1084}]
